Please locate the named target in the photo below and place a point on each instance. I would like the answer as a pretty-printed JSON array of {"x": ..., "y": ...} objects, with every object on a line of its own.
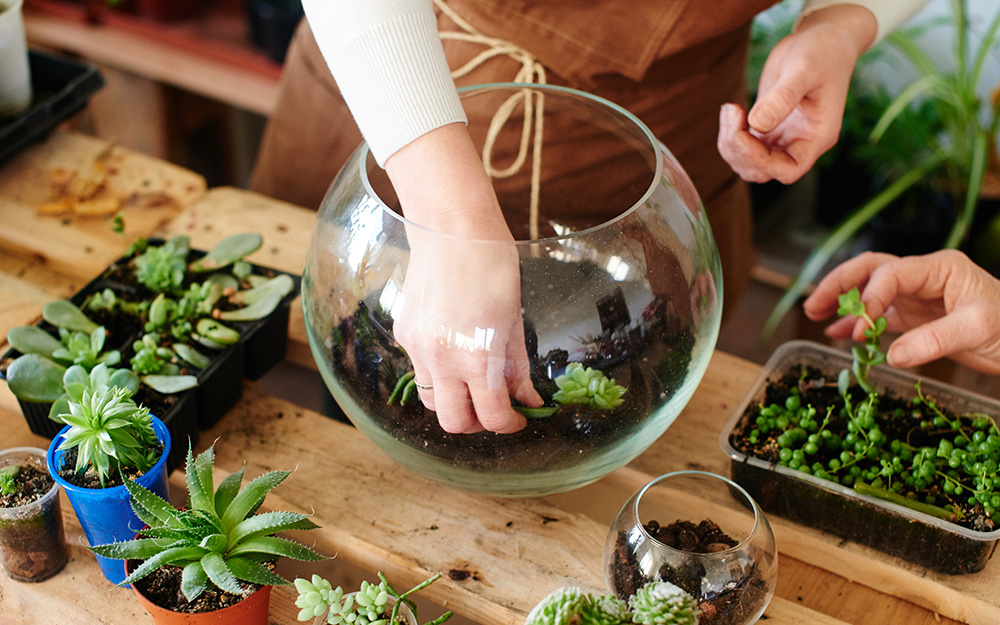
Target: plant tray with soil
[
  {"x": 143, "y": 322},
  {"x": 907, "y": 467}
]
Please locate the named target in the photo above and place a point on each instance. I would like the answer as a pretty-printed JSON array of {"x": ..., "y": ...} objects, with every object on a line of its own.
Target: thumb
[
  {"x": 773, "y": 106},
  {"x": 947, "y": 335}
]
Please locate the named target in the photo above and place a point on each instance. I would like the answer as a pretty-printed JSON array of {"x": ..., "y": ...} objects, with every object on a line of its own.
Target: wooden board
[{"x": 153, "y": 192}]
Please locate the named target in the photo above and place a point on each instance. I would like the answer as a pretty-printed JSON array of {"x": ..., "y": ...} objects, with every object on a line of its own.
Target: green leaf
[
  {"x": 63, "y": 313},
  {"x": 169, "y": 384},
  {"x": 274, "y": 545},
  {"x": 152, "y": 504},
  {"x": 216, "y": 332},
  {"x": 32, "y": 340},
  {"x": 177, "y": 556},
  {"x": 193, "y": 581},
  {"x": 34, "y": 378},
  {"x": 192, "y": 356},
  {"x": 258, "y": 310},
  {"x": 219, "y": 573},
  {"x": 136, "y": 549},
  {"x": 228, "y": 488},
  {"x": 228, "y": 251},
  {"x": 251, "y": 496},
  {"x": 199, "y": 479},
  {"x": 281, "y": 284},
  {"x": 267, "y": 523},
  {"x": 250, "y": 571}
]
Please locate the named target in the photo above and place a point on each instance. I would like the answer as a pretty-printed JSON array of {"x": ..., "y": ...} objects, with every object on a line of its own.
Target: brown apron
[{"x": 671, "y": 63}]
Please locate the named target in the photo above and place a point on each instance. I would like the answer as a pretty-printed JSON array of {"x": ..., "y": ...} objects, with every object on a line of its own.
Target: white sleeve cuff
[
  {"x": 390, "y": 68},
  {"x": 889, "y": 14}
]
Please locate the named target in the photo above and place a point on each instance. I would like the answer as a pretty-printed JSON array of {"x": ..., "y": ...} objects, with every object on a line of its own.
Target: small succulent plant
[
  {"x": 161, "y": 268},
  {"x": 219, "y": 539},
  {"x": 108, "y": 429},
  {"x": 587, "y": 386},
  {"x": 870, "y": 354},
  {"x": 7, "y": 484},
  {"x": 371, "y": 605},
  {"x": 663, "y": 603},
  {"x": 77, "y": 379},
  {"x": 656, "y": 603}
]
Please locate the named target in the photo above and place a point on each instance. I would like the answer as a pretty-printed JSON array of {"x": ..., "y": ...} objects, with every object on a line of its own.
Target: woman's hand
[
  {"x": 943, "y": 304},
  {"x": 461, "y": 319},
  {"x": 800, "y": 100}
]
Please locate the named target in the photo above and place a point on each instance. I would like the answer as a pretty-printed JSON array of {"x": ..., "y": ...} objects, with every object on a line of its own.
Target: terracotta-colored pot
[{"x": 251, "y": 611}]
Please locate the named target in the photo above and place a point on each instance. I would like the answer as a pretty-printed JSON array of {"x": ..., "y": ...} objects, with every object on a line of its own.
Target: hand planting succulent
[
  {"x": 219, "y": 541},
  {"x": 656, "y": 603},
  {"x": 578, "y": 385},
  {"x": 372, "y": 604},
  {"x": 914, "y": 452},
  {"x": 108, "y": 430}
]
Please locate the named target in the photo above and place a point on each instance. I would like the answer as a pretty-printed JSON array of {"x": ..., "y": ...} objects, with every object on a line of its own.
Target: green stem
[{"x": 887, "y": 495}]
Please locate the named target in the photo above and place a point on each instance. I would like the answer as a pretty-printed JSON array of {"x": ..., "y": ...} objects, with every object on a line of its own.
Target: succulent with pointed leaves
[
  {"x": 220, "y": 539},
  {"x": 7, "y": 484}
]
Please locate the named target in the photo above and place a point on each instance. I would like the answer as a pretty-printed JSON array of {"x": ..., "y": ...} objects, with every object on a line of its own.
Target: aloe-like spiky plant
[{"x": 218, "y": 538}]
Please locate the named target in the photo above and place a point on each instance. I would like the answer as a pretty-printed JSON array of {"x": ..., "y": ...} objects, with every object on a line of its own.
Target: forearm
[
  {"x": 888, "y": 14},
  {"x": 387, "y": 59}
]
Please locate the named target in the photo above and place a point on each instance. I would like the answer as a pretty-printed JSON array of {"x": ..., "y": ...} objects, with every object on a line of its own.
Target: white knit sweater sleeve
[
  {"x": 888, "y": 13},
  {"x": 388, "y": 62}
]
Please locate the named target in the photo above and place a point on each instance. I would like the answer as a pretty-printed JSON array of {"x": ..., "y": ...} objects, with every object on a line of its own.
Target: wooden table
[{"x": 373, "y": 512}]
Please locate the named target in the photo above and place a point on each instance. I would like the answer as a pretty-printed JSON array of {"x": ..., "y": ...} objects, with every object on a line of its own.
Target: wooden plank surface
[{"x": 152, "y": 191}]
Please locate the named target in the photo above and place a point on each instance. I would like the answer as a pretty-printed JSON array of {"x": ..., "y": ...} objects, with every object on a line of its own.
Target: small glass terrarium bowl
[
  {"x": 609, "y": 295},
  {"x": 701, "y": 532}
]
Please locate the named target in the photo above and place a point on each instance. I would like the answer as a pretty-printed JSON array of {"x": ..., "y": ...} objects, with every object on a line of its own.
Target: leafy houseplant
[
  {"x": 32, "y": 542},
  {"x": 953, "y": 160},
  {"x": 216, "y": 552},
  {"x": 114, "y": 440},
  {"x": 373, "y": 604},
  {"x": 931, "y": 453}
]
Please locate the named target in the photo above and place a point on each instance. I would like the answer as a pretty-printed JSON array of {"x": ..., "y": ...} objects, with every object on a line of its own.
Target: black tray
[{"x": 62, "y": 87}]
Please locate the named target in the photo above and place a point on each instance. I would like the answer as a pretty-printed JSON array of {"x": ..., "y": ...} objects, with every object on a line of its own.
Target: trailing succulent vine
[
  {"x": 656, "y": 603},
  {"x": 373, "y": 604},
  {"x": 937, "y": 463}
]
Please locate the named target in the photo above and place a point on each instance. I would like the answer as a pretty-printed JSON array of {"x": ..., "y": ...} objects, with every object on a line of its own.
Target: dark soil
[
  {"x": 30, "y": 484},
  {"x": 820, "y": 390},
  {"x": 650, "y": 359},
  {"x": 89, "y": 478},
  {"x": 163, "y": 587},
  {"x": 32, "y": 546},
  {"x": 735, "y": 603}
]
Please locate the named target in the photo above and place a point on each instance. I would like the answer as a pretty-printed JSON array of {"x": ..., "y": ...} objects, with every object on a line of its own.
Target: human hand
[
  {"x": 800, "y": 102},
  {"x": 943, "y": 303},
  {"x": 461, "y": 319}
]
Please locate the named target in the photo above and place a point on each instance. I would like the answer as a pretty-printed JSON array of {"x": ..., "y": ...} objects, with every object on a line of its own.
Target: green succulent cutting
[{"x": 373, "y": 604}]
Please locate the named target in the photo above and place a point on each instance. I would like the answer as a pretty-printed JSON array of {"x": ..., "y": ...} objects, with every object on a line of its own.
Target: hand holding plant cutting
[{"x": 942, "y": 303}]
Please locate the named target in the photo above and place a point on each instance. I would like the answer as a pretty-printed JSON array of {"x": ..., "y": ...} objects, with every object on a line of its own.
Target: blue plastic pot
[{"x": 106, "y": 513}]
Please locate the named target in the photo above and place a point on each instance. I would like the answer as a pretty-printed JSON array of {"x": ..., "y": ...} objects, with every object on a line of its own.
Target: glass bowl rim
[
  {"x": 657, "y": 147},
  {"x": 757, "y": 512}
]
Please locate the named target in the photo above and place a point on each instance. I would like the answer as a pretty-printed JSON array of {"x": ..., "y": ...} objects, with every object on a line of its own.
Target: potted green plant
[
  {"x": 32, "y": 542},
  {"x": 108, "y": 441},
  {"x": 953, "y": 160},
  {"x": 211, "y": 561},
  {"x": 903, "y": 465},
  {"x": 372, "y": 604}
]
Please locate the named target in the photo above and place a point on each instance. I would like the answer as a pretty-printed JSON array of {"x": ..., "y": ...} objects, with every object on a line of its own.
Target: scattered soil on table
[
  {"x": 30, "y": 484},
  {"x": 734, "y": 603},
  {"x": 163, "y": 587}
]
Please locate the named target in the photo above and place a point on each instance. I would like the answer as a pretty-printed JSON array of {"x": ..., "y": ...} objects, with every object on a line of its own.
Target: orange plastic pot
[{"x": 251, "y": 611}]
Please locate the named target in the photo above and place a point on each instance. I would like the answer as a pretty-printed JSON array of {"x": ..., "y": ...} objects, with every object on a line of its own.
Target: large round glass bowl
[{"x": 619, "y": 274}]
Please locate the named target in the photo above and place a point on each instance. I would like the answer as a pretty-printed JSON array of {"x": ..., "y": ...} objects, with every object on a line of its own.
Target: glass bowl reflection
[{"x": 619, "y": 273}]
